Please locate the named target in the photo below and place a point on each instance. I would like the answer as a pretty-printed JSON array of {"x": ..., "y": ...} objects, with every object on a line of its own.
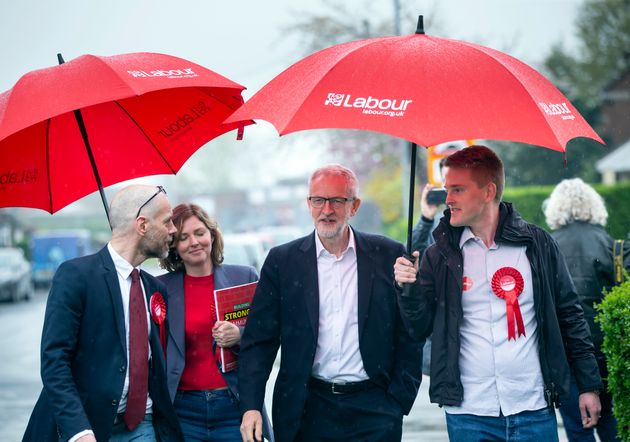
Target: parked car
[
  {"x": 244, "y": 249},
  {"x": 50, "y": 249},
  {"x": 15, "y": 275},
  {"x": 275, "y": 235}
]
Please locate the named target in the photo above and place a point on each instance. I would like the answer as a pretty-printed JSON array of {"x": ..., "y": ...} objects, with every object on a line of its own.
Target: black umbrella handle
[{"x": 412, "y": 184}]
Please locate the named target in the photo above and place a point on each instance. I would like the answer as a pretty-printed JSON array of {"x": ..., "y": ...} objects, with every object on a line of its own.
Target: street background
[
  {"x": 20, "y": 384},
  {"x": 260, "y": 181}
]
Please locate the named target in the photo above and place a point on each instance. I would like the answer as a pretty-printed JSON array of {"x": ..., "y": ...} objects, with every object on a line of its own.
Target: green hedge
[
  {"x": 528, "y": 201},
  {"x": 614, "y": 317}
]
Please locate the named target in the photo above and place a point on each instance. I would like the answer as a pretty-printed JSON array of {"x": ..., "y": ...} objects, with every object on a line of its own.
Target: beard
[
  {"x": 330, "y": 232},
  {"x": 154, "y": 247}
]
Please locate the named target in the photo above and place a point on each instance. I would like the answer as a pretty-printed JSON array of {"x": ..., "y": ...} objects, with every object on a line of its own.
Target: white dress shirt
[
  {"x": 123, "y": 270},
  {"x": 337, "y": 357},
  {"x": 498, "y": 375}
]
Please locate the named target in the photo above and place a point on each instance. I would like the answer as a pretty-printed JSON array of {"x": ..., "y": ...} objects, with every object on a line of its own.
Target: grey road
[
  {"x": 20, "y": 333},
  {"x": 20, "y": 330}
]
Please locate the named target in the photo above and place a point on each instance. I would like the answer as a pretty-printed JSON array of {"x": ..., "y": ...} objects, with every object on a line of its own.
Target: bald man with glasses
[
  {"x": 349, "y": 371},
  {"x": 102, "y": 361}
]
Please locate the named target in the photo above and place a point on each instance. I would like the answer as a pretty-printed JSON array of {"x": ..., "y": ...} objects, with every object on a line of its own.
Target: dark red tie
[{"x": 138, "y": 355}]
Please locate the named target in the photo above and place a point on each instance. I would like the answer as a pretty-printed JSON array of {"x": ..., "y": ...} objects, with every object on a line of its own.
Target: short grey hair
[
  {"x": 338, "y": 170},
  {"x": 125, "y": 204},
  {"x": 574, "y": 200}
]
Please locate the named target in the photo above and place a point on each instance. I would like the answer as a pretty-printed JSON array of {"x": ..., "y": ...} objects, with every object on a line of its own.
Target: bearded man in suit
[
  {"x": 96, "y": 385},
  {"x": 349, "y": 370}
]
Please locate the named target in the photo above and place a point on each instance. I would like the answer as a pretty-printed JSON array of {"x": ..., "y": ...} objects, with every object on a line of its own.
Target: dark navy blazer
[{"x": 84, "y": 356}]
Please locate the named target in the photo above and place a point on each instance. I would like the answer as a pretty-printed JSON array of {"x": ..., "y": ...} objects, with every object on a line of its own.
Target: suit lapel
[
  {"x": 308, "y": 265},
  {"x": 365, "y": 269},
  {"x": 221, "y": 279},
  {"x": 149, "y": 289},
  {"x": 175, "y": 310},
  {"x": 111, "y": 280}
]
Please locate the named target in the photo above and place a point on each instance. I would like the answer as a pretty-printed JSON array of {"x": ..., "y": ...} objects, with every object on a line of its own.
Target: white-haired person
[{"x": 577, "y": 215}]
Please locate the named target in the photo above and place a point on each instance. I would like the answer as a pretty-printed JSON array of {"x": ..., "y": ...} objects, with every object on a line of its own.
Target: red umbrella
[
  {"x": 68, "y": 130},
  {"x": 424, "y": 89}
]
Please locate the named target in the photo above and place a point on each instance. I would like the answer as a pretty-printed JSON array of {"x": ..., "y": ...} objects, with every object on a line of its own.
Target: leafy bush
[{"x": 614, "y": 317}]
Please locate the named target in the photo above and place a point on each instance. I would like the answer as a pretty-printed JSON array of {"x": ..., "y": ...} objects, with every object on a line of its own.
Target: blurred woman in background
[{"x": 577, "y": 216}]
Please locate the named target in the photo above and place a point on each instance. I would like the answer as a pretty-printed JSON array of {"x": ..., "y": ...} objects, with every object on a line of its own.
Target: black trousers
[{"x": 364, "y": 416}]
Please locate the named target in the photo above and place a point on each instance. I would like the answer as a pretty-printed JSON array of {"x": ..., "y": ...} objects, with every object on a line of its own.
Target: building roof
[{"x": 616, "y": 161}]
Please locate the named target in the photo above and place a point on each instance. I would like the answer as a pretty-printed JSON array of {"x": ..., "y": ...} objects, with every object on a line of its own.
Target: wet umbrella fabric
[
  {"x": 424, "y": 89},
  {"x": 144, "y": 114}
]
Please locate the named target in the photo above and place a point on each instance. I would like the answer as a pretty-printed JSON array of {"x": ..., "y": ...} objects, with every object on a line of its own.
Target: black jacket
[
  {"x": 421, "y": 236},
  {"x": 435, "y": 307},
  {"x": 587, "y": 249}
]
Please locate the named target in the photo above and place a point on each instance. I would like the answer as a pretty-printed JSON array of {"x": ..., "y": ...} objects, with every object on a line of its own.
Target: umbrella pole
[
  {"x": 412, "y": 179},
  {"x": 406, "y": 288},
  {"x": 79, "y": 118}
]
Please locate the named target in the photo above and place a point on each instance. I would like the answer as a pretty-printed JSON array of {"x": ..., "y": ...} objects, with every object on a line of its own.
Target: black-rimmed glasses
[
  {"x": 160, "y": 189},
  {"x": 336, "y": 202}
]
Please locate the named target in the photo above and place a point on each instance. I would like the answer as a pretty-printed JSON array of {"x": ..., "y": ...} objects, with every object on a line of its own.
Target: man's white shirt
[
  {"x": 498, "y": 375},
  {"x": 338, "y": 357},
  {"x": 123, "y": 271}
]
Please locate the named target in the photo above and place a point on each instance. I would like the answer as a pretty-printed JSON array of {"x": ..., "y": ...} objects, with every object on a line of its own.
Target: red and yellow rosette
[
  {"x": 507, "y": 283},
  {"x": 158, "y": 314}
]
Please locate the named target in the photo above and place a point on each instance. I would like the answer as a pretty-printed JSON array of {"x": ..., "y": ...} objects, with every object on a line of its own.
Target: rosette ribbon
[
  {"x": 158, "y": 314},
  {"x": 507, "y": 283}
]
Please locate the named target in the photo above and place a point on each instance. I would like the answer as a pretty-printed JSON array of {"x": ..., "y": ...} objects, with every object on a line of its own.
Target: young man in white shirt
[{"x": 507, "y": 326}]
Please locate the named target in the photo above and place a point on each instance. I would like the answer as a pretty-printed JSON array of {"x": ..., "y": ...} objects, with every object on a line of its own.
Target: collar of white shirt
[
  {"x": 468, "y": 234},
  {"x": 122, "y": 266},
  {"x": 319, "y": 247}
]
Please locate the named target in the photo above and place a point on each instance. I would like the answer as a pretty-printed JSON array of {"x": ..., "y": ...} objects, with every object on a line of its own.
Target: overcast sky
[{"x": 245, "y": 41}]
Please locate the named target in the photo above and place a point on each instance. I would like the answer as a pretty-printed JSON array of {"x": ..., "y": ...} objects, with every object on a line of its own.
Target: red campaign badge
[
  {"x": 158, "y": 314},
  {"x": 467, "y": 283},
  {"x": 507, "y": 283},
  {"x": 158, "y": 308}
]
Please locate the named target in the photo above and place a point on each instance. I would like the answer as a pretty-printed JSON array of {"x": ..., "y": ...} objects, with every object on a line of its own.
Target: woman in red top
[{"x": 205, "y": 399}]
